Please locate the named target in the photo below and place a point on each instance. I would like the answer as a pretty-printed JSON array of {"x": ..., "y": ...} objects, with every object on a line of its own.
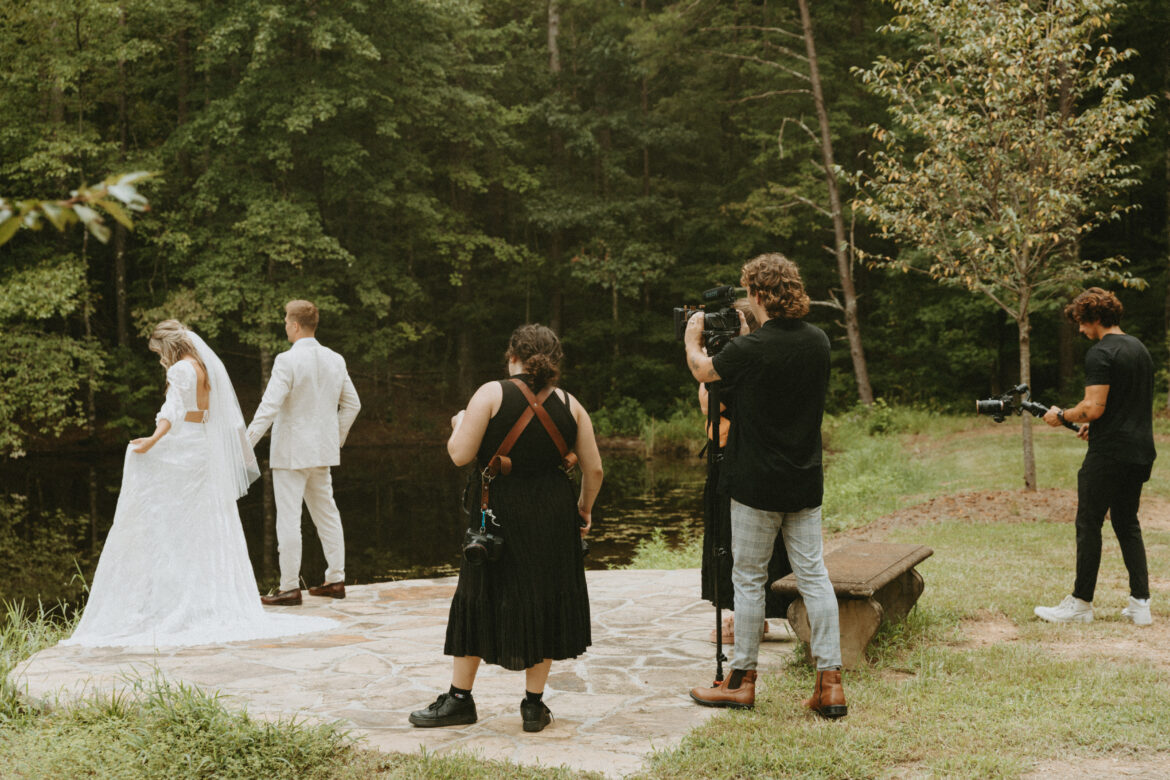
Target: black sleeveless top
[{"x": 534, "y": 451}]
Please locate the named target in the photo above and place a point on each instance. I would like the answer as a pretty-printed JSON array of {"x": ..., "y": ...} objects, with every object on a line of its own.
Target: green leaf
[
  {"x": 8, "y": 229},
  {"x": 59, "y": 217},
  {"x": 117, "y": 212}
]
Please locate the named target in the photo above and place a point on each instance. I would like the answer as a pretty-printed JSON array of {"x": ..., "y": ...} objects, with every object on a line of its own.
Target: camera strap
[{"x": 500, "y": 463}]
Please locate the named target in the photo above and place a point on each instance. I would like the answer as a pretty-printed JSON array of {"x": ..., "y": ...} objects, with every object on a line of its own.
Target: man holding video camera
[
  {"x": 778, "y": 378},
  {"x": 1119, "y": 399}
]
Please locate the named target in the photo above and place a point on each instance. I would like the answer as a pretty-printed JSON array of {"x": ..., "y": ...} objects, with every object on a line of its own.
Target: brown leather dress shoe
[
  {"x": 828, "y": 699},
  {"x": 334, "y": 590},
  {"x": 285, "y": 598},
  {"x": 719, "y": 695}
]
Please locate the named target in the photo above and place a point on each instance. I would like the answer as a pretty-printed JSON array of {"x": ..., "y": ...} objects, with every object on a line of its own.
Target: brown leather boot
[
  {"x": 828, "y": 699},
  {"x": 719, "y": 695}
]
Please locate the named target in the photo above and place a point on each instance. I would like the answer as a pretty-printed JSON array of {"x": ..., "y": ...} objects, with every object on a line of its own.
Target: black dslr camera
[
  {"x": 720, "y": 318},
  {"x": 1015, "y": 401},
  {"x": 481, "y": 545}
]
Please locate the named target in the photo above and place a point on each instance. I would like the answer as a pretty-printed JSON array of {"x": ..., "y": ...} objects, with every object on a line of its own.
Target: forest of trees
[{"x": 434, "y": 172}]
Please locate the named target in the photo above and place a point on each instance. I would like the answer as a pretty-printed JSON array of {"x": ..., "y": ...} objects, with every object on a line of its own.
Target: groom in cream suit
[{"x": 310, "y": 403}]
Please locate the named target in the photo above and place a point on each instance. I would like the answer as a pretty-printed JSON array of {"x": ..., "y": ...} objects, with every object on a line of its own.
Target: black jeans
[{"x": 1105, "y": 484}]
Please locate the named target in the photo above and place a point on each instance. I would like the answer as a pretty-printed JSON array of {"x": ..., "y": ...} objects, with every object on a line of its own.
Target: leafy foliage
[
  {"x": 1010, "y": 125},
  {"x": 433, "y": 174}
]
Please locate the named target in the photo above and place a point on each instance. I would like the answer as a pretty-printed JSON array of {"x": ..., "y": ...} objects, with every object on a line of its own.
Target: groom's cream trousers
[{"x": 313, "y": 486}]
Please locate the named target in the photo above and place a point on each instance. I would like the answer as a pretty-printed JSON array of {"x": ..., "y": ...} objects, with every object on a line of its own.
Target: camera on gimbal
[
  {"x": 1014, "y": 401},
  {"x": 720, "y": 318}
]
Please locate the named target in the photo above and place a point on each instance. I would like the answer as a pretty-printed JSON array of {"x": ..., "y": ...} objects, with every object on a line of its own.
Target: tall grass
[
  {"x": 681, "y": 431},
  {"x": 22, "y": 633},
  {"x": 161, "y": 729}
]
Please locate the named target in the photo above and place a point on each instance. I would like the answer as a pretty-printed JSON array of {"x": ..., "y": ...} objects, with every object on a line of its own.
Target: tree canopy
[{"x": 433, "y": 174}]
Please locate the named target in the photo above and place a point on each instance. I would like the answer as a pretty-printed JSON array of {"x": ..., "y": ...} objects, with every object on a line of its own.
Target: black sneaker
[
  {"x": 536, "y": 715},
  {"x": 445, "y": 711}
]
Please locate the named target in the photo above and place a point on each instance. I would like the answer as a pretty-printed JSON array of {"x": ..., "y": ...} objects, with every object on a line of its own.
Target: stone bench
[{"x": 875, "y": 583}]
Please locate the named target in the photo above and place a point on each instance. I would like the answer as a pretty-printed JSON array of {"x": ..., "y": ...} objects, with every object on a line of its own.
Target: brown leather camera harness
[{"x": 500, "y": 463}]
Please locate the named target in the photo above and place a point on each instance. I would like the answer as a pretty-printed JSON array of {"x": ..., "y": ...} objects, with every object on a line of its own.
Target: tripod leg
[{"x": 718, "y": 547}]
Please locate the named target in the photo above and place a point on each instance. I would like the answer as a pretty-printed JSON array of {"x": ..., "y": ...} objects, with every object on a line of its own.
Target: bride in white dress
[{"x": 175, "y": 568}]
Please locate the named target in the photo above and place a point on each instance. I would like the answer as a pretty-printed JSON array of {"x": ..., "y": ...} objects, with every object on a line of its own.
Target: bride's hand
[
  {"x": 457, "y": 420},
  {"x": 142, "y": 445}
]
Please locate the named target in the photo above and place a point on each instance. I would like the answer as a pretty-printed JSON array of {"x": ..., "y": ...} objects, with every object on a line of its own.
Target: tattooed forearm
[{"x": 701, "y": 366}]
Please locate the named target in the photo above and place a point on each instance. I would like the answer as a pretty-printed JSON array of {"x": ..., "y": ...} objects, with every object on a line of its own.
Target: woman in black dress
[{"x": 530, "y": 606}]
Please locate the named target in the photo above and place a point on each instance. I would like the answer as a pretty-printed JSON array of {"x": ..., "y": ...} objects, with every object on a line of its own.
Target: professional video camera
[
  {"x": 1015, "y": 401},
  {"x": 720, "y": 319}
]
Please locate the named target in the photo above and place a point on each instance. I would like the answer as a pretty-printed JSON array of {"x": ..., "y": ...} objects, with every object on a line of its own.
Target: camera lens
[
  {"x": 990, "y": 406},
  {"x": 474, "y": 553}
]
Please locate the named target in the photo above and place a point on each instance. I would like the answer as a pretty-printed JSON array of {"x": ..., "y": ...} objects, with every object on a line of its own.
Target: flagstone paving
[{"x": 626, "y": 697}]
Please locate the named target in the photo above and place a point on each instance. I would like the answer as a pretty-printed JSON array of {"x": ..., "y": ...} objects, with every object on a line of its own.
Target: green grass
[{"x": 931, "y": 703}]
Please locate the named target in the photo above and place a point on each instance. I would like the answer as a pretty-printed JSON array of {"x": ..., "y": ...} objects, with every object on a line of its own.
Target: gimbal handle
[{"x": 1039, "y": 410}]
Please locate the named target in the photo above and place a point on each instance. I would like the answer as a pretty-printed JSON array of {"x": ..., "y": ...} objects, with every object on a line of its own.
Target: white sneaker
[
  {"x": 1138, "y": 611},
  {"x": 1071, "y": 610}
]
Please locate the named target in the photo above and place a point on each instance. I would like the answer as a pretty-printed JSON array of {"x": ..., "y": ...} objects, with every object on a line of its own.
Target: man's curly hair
[
  {"x": 776, "y": 280},
  {"x": 1095, "y": 305}
]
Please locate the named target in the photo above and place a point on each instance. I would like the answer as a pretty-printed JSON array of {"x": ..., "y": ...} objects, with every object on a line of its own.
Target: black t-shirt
[
  {"x": 1125, "y": 431},
  {"x": 777, "y": 378}
]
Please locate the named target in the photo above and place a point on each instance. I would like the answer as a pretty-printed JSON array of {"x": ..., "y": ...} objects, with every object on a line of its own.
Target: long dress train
[{"x": 175, "y": 567}]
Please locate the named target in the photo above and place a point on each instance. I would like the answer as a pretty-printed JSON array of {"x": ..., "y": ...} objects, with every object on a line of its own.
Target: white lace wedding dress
[{"x": 175, "y": 567}]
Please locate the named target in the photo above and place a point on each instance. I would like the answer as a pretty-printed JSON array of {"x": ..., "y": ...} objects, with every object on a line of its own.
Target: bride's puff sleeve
[{"x": 180, "y": 387}]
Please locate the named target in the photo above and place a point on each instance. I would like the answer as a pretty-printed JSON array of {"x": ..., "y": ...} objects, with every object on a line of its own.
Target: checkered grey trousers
[{"x": 753, "y": 533}]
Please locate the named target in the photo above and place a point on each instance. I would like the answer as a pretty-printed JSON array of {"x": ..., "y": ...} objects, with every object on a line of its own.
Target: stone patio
[{"x": 623, "y": 699}]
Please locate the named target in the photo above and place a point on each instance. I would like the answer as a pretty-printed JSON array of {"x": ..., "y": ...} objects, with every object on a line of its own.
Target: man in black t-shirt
[
  {"x": 1119, "y": 400},
  {"x": 777, "y": 377}
]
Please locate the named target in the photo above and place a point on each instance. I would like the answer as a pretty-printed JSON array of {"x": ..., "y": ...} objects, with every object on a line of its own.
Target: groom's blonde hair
[{"x": 303, "y": 313}]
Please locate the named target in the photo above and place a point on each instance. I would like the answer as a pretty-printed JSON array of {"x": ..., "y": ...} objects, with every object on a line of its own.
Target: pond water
[{"x": 399, "y": 507}]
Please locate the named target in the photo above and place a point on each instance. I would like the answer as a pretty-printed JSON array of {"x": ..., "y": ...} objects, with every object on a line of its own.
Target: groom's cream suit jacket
[{"x": 310, "y": 403}]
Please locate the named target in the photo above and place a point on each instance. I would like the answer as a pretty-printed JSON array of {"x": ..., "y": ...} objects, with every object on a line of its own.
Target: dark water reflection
[{"x": 399, "y": 507}]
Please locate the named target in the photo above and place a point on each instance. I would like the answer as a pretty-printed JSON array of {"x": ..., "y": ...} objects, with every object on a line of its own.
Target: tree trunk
[
  {"x": 183, "y": 65},
  {"x": 464, "y": 348},
  {"x": 123, "y": 309},
  {"x": 1025, "y": 327},
  {"x": 844, "y": 264},
  {"x": 123, "y": 318},
  {"x": 617, "y": 349},
  {"x": 556, "y": 163},
  {"x": 645, "y": 118},
  {"x": 1166, "y": 57},
  {"x": 93, "y": 510},
  {"x": 90, "y": 343},
  {"x": 466, "y": 352}
]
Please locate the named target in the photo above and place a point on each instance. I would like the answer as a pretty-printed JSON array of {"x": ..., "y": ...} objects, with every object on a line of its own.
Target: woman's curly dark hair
[
  {"x": 776, "y": 280},
  {"x": 1095, "y": 305},
  {"x": 539, "y": 350}
]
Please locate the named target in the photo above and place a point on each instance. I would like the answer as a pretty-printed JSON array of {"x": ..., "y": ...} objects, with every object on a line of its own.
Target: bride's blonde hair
[{"x": 169, "y": 339}]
